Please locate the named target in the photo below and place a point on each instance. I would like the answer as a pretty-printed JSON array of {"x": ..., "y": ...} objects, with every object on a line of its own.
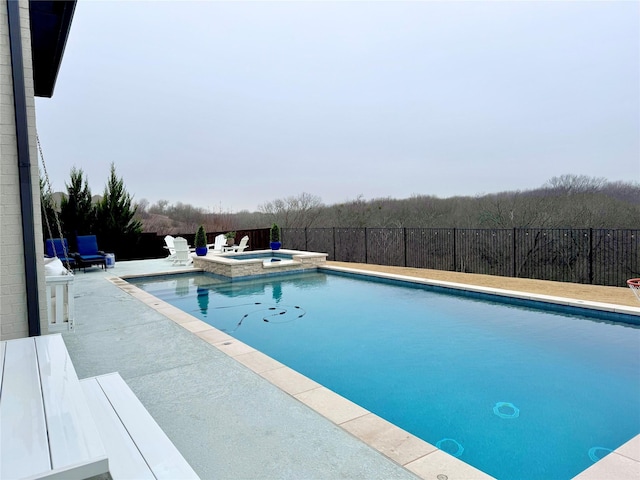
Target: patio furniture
[
  {"x": 72, "y": 429},
  {"x": 170, "y": 246},
  {"x": 56, "y": 247},
  {"x": 42, "y": 400},
  {"x": 88, "y": 253},
  {"x": 183, "y": 254},
  {"x": 218, "y": 244},
  {"x": 59, "y": 295},
  {"x": 244, "y": 243},
  {"x": 135, "y": 444}
]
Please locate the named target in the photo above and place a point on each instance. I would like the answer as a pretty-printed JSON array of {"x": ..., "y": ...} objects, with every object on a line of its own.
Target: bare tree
[
  {"x": 574, "y": 184},
  {"x": 160, "y": 207},
  {"x": 512, "y": 210},
  {"x": 354, "y": 214},
  {"x": 293, "y": 212},
  {"x": 142, "y": 209}
]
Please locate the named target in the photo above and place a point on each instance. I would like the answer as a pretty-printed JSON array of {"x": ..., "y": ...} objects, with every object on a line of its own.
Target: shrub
[
  {"x": 275, "y": 233},
  {"x": 201, "y": 237}
]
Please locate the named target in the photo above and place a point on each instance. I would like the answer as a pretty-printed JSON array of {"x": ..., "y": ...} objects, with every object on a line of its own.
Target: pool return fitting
[{"x": 499, "y": 410}]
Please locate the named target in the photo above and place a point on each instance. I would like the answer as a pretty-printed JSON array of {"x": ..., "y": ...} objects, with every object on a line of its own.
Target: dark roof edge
[{"x": 48, "y": 40}]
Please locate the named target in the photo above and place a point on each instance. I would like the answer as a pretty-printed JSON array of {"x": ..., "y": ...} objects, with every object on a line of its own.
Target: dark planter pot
[
  {"x": 201, "y": 251},
  {"x": 275, "y": 245}
]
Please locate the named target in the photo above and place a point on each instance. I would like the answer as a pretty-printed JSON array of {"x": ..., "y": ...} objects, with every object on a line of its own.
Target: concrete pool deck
[{"x": 230, "y": 421}]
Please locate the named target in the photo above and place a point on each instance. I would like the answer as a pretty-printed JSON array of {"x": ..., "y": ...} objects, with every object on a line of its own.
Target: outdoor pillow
[{"x": 54, "y": 267}]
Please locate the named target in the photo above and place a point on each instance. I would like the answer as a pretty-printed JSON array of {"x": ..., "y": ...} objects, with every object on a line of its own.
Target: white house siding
[{"x": 13, "y": 297}]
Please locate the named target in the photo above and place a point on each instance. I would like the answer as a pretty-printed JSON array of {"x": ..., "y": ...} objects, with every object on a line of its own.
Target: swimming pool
[{"x": 516, "y": 392}]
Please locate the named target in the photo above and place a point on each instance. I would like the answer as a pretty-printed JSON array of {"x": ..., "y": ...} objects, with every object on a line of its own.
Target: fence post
[
  {"x": 513, "y": 252},
  {"x": 366, "y": 243},
  {"x": 334, "y": 244},
  {"x": 306, "y": 243},
  {"x": 404, "y": 235},
  {"x": 591, "y": 256},
  {"x": 455, "y": 249}
]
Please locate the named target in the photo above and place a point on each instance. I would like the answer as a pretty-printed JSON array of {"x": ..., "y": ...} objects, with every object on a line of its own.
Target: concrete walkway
[{"x": 227, "y": 421}]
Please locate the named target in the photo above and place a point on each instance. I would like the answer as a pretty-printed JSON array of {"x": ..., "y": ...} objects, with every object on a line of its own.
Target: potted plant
[
  {"x": 231, "y": 238},
  {"x": 201, "y": 242},
  {"x": 274, "y": 236}
]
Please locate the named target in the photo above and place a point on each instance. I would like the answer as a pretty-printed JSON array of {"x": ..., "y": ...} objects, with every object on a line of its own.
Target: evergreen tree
[
  {"x": 116, "y": 226},
  {"x": 77, "y": 213},
  {"x": 49, "y": 222}
]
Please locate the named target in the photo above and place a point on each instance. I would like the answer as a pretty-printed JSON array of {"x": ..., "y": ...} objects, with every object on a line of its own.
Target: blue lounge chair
[
  {"x": 56, "y": 247},
  {"x": 88, "y": 253}
]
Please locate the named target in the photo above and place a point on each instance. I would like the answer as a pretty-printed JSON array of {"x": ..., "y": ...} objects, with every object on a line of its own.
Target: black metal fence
[{"x": 591, "y": 256}]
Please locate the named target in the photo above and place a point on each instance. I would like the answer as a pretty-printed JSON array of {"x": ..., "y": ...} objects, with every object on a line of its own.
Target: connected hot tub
[{"x": 259, "y": 262}]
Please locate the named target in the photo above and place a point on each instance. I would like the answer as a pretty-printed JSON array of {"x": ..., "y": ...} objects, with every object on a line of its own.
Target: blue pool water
[{"x": 514, "y": 391}]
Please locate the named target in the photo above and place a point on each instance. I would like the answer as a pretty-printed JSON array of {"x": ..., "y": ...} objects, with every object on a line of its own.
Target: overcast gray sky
[{"x": 227, "y": 105}]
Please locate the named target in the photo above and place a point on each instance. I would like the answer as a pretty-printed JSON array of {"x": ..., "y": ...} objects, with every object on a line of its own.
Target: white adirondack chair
[
  {"x": 170, "y": 246},
  {"x": 182, "y": 255},
  {"x": 244, "y": 243},
  {"x": 219, "y": 242}
]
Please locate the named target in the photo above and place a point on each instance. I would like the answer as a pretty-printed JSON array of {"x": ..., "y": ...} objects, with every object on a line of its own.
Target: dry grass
[{"x": 594, "y": 293}]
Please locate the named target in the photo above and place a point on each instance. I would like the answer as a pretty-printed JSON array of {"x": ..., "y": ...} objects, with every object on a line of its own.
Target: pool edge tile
[
  {"x": 289, "y": 380},
  {"x": 389, "y": 439},
  {"x": 258, "y": 361},
  {"x": 233, "y": 347},
  {"x": 214, "y": 336},
  {"x": 630, "y": 449},
  {"x": 174, "y": 314},
  {"x": 331, "y": 405},
  {"x": 612, "y": 467},
  {"x": 564, "y": 301},
  {"x": 168, "y": 310},
  {"x": 439, "y": 464},
  {"x": 196, "y": 326}
]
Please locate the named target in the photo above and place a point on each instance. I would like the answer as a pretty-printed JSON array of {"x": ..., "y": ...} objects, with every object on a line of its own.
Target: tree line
[{"x": 576, "y": 201}]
